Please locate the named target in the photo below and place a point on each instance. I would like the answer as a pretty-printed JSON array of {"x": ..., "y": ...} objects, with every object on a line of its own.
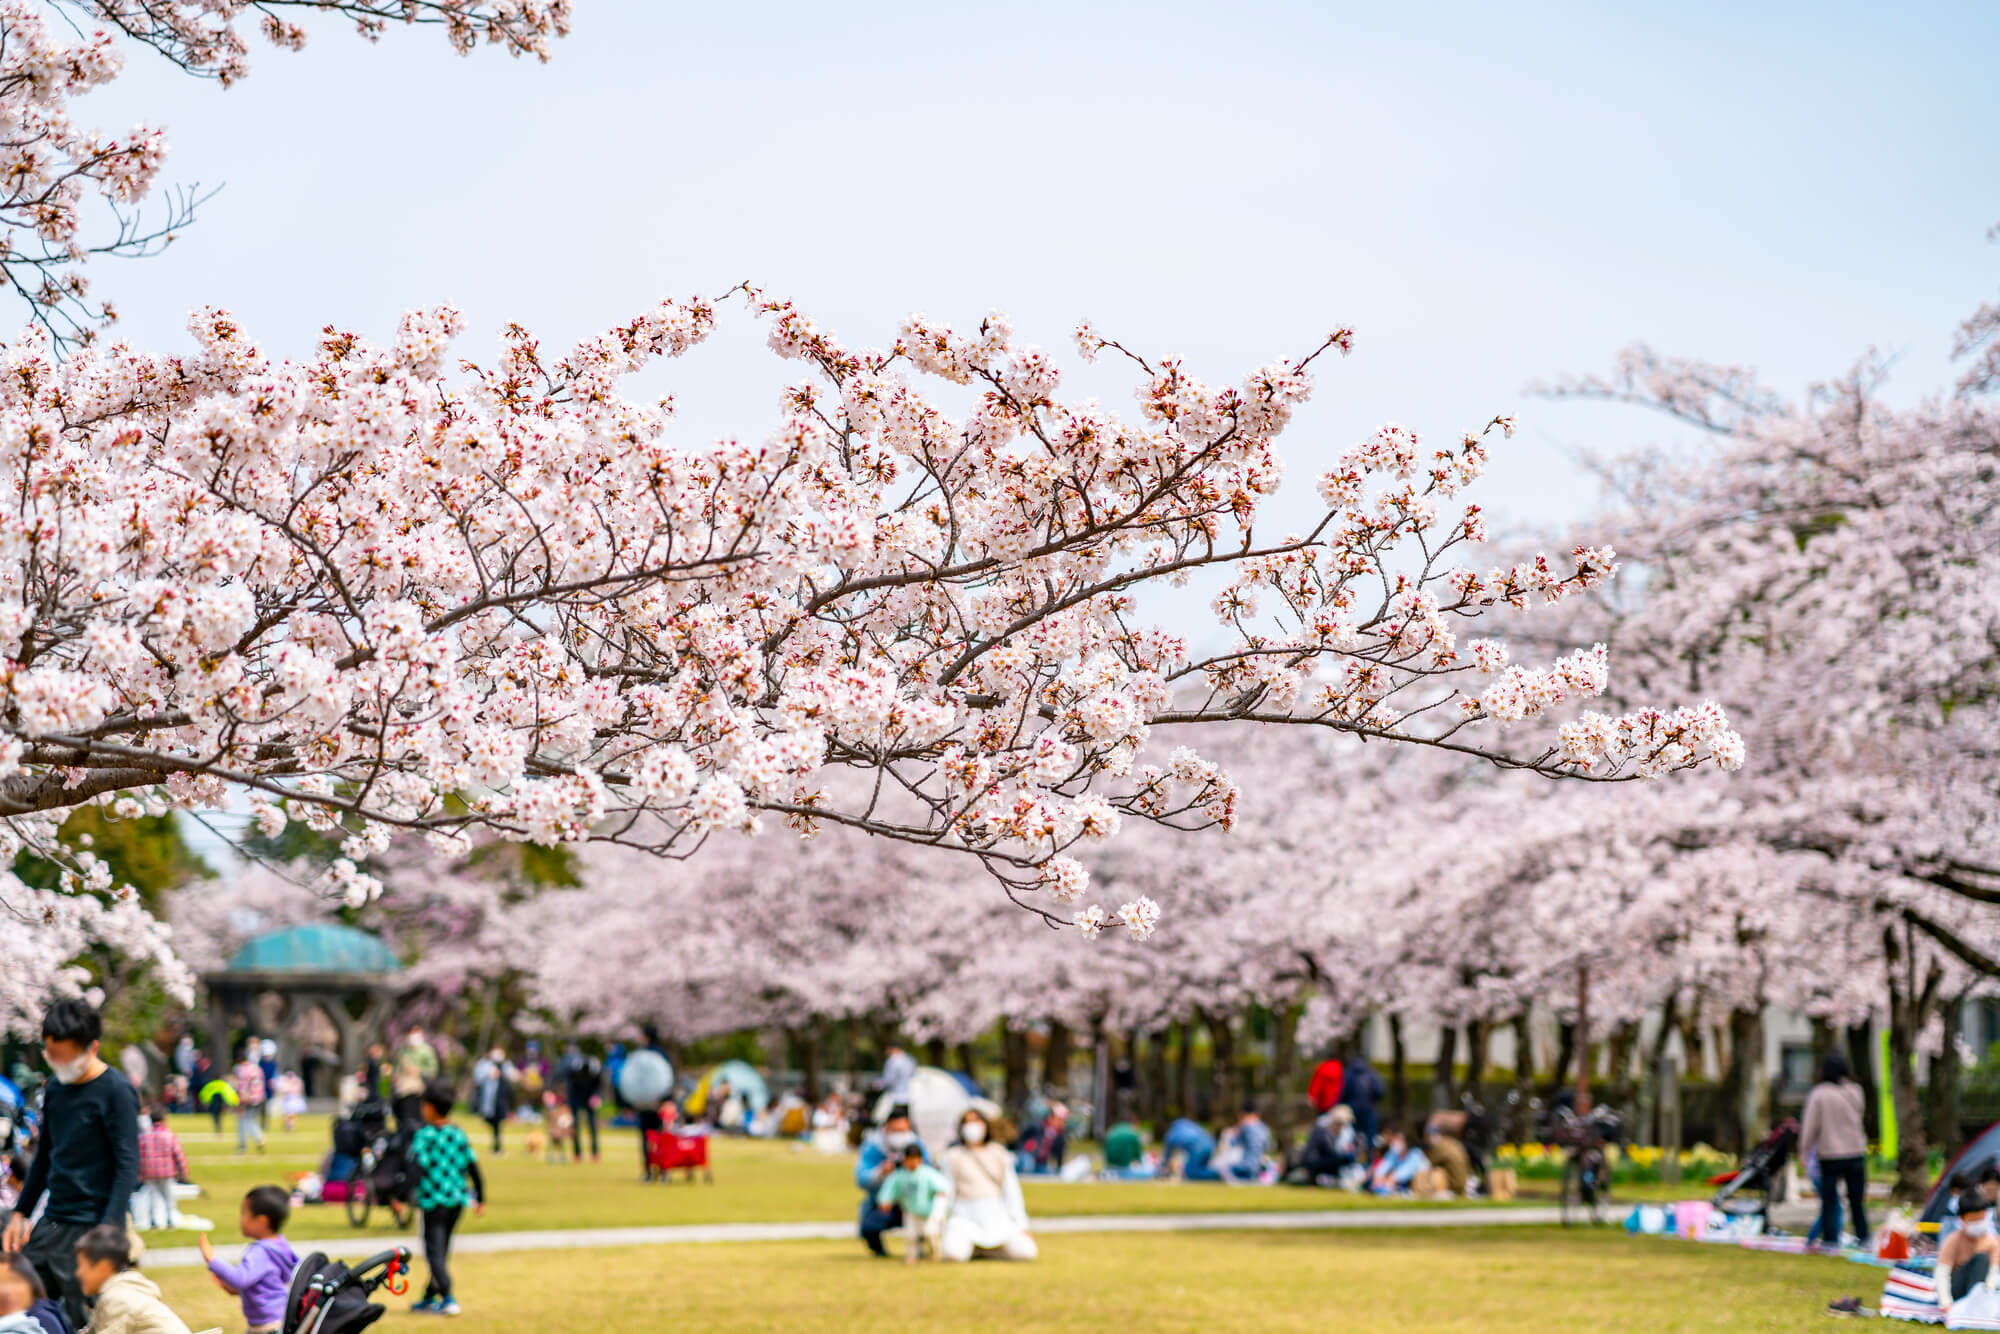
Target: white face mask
[
  {"x": 898, "y": 1140},
  {"x": 972, "y": 1132},
  {"x": 67, "y": 1072},
  {"x": 1982, "y": 1228}
]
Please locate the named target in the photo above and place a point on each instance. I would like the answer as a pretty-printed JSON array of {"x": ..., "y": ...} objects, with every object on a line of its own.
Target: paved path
[{"x": 182, "y": 1257}]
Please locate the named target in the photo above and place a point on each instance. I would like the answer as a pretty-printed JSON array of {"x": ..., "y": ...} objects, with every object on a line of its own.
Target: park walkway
[{"x": 184, "y": 1257}]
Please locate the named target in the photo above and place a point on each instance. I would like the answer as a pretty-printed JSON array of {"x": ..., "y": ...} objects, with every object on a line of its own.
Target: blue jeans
[
  {"x": 1195, "y": 1167},
  {"x": 1834, "y": 1175}
]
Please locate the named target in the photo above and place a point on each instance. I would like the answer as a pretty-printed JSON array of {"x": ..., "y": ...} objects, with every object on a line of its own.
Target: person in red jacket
[{"x": 1324, "y": 1091}]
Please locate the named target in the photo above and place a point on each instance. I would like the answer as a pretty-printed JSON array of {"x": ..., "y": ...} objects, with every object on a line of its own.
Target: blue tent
[
  {"x": 967, "y": 1082},
  {"x": 10, "y": 1092}
]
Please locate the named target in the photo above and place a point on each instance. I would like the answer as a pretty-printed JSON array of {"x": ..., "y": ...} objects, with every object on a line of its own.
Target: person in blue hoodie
[
  {"x": 1195, "y": 1147},
  {"x": 881, "y": 1154}
]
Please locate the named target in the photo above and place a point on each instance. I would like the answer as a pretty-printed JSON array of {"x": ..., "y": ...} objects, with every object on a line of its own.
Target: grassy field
[
  {"x": 755, "y": 1181},
  {"x": 1170, "y": 1283}
]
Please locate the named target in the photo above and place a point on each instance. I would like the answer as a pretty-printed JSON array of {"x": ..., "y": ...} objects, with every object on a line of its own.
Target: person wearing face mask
[
  {"x": 984, "y": 1214},
  {"x": 881, "y": 1153},
  {"x": 1968, "y": 1263},
  {"x": 88, "y": 1165}
]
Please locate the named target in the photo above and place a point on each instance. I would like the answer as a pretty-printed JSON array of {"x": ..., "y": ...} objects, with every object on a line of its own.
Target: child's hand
[
  {"x": 479, "y": 1209},
  {"x": 207, "y": 1251}
]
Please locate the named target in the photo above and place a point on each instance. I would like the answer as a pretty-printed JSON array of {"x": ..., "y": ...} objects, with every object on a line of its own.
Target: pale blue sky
[{"x": 1487, "y": 197}]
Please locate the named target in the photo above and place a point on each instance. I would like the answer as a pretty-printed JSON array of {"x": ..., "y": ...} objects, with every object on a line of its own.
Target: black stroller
[
  {"x": 373, "y": 1163},
  {"x": 1752, "y": 1188},
  {"x": 328, "y": 1297}
]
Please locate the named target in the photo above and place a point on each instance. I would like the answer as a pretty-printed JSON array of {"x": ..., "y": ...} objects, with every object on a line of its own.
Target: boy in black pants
[
  {"x": 88, "y": 1165},
  {"x": 442, "y": 1157}
]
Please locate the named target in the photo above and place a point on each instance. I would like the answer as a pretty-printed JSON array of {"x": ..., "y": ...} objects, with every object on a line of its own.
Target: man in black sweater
[{"x": 88, "y": 1162}]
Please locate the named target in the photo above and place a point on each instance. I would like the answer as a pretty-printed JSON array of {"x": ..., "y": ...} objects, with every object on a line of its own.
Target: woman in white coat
[{"x": 984, "y": 1213}]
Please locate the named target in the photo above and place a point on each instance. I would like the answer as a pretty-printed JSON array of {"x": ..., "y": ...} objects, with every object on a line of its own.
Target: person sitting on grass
[
  {"x": 1246, "y": 1148},
  {"x": 25, "y": 1307},
  {"x": 1187, "y": 1152},
  {"x": 1446, "y": 1152},
  {"x": 1332, "y": 1146},
  {"x": 1969, "y": 1260},
  {"x": 447, "y": 1176},
  {"x": 914, "y": 1188},
  {"x": 1043, "y": 1146},
  {"x": 127, "y": 1301},
  {"x": 263, "y": 1278},
  {"x": 1398, "y": 1164}
]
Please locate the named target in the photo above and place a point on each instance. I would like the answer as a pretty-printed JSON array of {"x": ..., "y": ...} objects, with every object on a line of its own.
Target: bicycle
[{"x": 1586, "y": 1179}]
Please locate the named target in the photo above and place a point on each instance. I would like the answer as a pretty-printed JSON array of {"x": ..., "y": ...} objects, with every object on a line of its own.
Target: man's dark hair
[
  {"x": 273, "y": 1204},
  {"x": 1249, "y": 1109},
  {"x": 897, "y": 1113},
  {"x": 71, "y": 1021},
  {"x": 24, "y": 1269},
  {"x": 106, "y": 1241},
  {"x": 1990, "y": 1172},
  {"x": 1833, "y": 1068},
  {"x": 439, "y": 1097}
]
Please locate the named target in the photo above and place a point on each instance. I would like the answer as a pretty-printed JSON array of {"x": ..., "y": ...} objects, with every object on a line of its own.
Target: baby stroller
[
  {"x": 328, "y": 1297},
  {"x": 667, "y": 1152},
  {"x": 1749, "y": 1191}
]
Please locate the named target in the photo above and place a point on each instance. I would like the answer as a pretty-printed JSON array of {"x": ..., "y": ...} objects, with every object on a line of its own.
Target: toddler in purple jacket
[{"x": 264, "y": 1275}]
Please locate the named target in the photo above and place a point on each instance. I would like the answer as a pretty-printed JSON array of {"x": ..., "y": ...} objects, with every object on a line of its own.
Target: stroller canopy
[
  {"x": 743, "y": 1080},
  {"x": 1976, "y": 1155}
]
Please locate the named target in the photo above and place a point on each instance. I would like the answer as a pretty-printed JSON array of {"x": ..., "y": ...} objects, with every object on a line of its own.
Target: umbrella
[
  {"x": 218, "y": 1088},
  {"x": 10, "y": 1092},
  {"x": 743, "y": 1080},
  {"x": 937, "y": 1099},
  {"x": 645, "y": 1079}
]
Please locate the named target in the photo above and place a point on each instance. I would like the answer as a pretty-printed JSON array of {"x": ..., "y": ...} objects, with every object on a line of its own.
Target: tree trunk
[
  {"x": 1444, "y": 1074},
  {"x": 1624, "y": 1039},
  {"x": 1565, "y": 1053},
  {"x": 1651, "y": 1085},
  {"x": 1399, "y": 1073},
  {"x": 1861, "y": 1061},
  {"x": 1285, "y": 1074},
  {"x": 934, "y": 1053},
  {"x": 1521, "y": 1117},
  {"x": 1910, "y": 1004},
  {"x": 1223, "y": 1075},
  {"x": 1476, "y": 1037},
  {"x": 1749, "y": 1083},
  {"x": 1153, "y": 1096},
  {"x": 1184, "y": 1072},
  {"x": 1055, "y": 1062},
  {"x": 1943, "y": 1092},
  {"x": 967, "y": 1061},
  {"x": 1014, "y": 1067},
  {"x": 809, "y": 1056}
]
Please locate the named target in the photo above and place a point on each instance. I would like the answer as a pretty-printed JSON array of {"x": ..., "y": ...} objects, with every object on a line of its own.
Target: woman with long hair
[{"x": 985, "y": 1214}]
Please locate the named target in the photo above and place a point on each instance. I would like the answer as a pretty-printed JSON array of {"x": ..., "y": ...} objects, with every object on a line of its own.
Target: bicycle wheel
[{"x": 360, "y": 1192}]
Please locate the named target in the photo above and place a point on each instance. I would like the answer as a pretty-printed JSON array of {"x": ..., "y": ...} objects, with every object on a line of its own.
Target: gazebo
[{"x": 343, "y": 973}]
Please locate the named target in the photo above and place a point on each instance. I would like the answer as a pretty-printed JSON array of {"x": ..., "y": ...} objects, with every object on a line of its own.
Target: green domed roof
[{"x": 323, "y": 947}]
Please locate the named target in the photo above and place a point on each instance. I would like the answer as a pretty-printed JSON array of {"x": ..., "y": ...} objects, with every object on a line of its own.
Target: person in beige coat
[
  {"x": 1833, "y": 1140},
  {"x": 127, "y": 1301}
]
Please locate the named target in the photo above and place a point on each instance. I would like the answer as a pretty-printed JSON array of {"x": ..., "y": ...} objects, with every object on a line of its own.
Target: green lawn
[
  {"x": 1168, "y": 1283},
  {"x": 755, "y": 1181}
]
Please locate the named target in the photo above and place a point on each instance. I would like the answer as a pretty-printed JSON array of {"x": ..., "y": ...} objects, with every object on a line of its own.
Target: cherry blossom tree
[
  {"x": 1825, "y": 571},
  {"x": 356, "y": 592},
  {"x": 59, "y": 176}
]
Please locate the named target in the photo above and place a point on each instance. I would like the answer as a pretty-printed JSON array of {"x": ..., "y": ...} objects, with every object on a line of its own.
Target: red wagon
[{"x": 667, "y": 1152}]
